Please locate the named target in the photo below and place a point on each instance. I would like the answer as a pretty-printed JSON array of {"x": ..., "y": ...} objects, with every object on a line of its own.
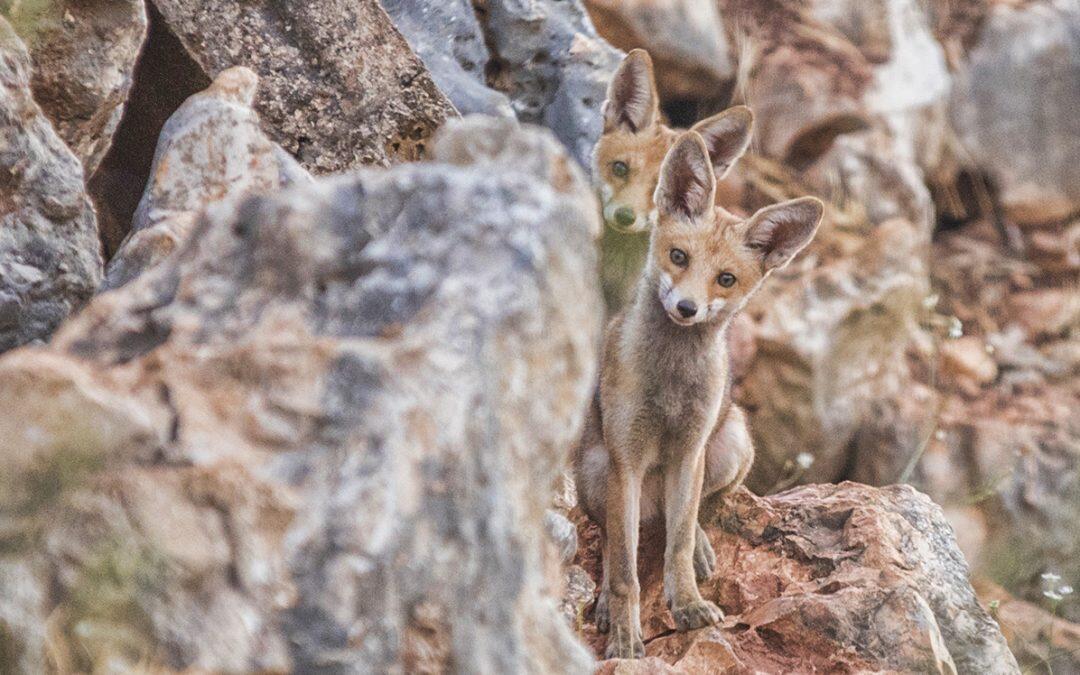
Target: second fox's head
[
  {"x": 632, "y": 146},
  {"x": 705, "y": 262}
]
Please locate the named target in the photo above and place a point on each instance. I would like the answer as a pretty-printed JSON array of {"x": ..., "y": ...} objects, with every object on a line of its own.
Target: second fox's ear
[
  {"x": 632, "y": 102},
  {"x": 776, "y": 233},
  {"x": 687, "y": 183},
  {"x": 727, "y": 136}
]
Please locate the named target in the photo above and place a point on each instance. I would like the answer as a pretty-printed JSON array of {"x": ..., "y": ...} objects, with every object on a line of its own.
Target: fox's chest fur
[{"x": 672, "y": 379}]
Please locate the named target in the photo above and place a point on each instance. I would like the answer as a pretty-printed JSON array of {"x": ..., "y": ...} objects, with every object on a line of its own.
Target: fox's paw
[
  {"x": 697, "y": 614},
  {"x": 601, "y": 617},
  {"x": 704, "y": 557},
  {"x": 624, "y": 643}
]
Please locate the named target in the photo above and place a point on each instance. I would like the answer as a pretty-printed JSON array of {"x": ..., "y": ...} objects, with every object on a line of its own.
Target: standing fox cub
[
  {"x": 663, "y": 431},
  {"x": 626, "y": 164}
]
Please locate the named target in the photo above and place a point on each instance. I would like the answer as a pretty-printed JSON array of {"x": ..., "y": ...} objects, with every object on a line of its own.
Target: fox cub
[
  {"x": 626, "y": 164},
  {"x": 663, "y": 431}
]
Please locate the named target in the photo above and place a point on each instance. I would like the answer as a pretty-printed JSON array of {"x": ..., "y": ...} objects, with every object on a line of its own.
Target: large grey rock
[
  {"x": 339, "y": 86},
  {"x": 50, "y": 260},
  {"x": 210, "y": 150},
  {"x": 447, "y": 36},
  {"x": 84, "y": 54},
  {"x": 539, "y": 61},
  {"x": 325, "y": 429},
  {"x": 1014, "y": 107},
  {"x": 549, "y": 60}
]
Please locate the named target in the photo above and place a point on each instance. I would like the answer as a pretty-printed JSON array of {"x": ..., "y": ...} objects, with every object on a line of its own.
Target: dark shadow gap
[{"x": 164, "y": 77}]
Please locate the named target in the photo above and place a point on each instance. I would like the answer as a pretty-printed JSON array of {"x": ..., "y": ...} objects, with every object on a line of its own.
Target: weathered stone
[
  {"x": 562, "y": 533},
  {"x": 447, "y": 36},
  {"x": 548, "y": 59},
  {"x": 831, "y": 343},
  {"x": 50, "y": 259},
  {"x": 876, "y": 178},
  {"x": 21, "y": 630},
  {"x": 210, "y": 150},
  {"x": 339, "y": 86},
  {"x": 1014, "y": 107},
  {"x": 685, "y": 39},
  {"x": 355, "y": 390},
  {"x": 825, "y": 578},
  {"x": 806, "y": 87},
  {"x": 578, "y": 594},
  {"x": 1046, "y": 312},
  {"x": 1035, "y": 635},
  {"x": 84, "y": 55},
  {"x": 910, "y": 86},
  {"x": 1026, "y": 475}
]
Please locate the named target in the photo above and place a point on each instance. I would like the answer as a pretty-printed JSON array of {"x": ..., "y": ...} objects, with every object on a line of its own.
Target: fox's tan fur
[{"x": 663, "y": 431}]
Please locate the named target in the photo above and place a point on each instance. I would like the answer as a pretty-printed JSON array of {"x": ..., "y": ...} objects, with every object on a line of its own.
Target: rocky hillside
[{"x": 293, "y": 357}]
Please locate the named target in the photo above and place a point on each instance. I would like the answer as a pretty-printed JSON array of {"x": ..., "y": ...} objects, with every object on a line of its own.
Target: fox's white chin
[{"x": 679, "y": 321}]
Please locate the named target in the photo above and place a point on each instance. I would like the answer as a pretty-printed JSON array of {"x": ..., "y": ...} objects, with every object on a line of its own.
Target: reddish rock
[
  {"x": 967, "y": 359},
  {"x": 1046, "y": 312},
  {"x": 822, "y": 578}
]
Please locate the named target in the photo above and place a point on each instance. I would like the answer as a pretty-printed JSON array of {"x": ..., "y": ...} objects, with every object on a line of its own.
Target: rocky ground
[{"x": 278, "y": 397}]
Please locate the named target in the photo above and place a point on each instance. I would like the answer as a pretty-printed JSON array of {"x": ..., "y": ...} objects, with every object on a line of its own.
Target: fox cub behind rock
[{"x": 663, "y": 431}]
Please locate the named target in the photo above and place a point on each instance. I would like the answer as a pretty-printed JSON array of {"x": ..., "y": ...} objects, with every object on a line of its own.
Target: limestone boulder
[
  {"x": 84, "y": 56},
  {"x": 831, "y": 336},
  {"x": 339, "y": 85},
  {"x": 50, "y": 258},
  {"x": 685, "y": 38},
  {"x": 328, "y": 424},
  {"x": 210, "y": 150},
  {"x": 448, "y": 37},
  {"x": 554, "y": 67},
  {"x": 1014, "y": 106}
]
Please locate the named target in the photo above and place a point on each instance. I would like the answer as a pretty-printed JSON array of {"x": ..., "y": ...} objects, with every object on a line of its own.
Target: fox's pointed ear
[
  {"x": 780, "y": 231},
  {"x": 727, "y": 136},
  {"x": 632, "y": 102},
  {"x": 687, "y": 185}
]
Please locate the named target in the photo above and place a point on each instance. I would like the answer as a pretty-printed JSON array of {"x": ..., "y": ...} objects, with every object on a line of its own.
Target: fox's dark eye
[
  {"x": 679, "y": 257},
  {"x": 726, "y": 279},
  {"x": 620, "y": 169}
]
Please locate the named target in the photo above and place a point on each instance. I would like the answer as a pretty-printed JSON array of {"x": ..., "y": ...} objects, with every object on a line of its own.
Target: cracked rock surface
[
  {"x": 822, "y": 578},
  {"x": 284, "y": 448}
]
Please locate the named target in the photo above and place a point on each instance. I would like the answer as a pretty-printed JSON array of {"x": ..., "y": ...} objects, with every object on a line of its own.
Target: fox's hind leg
[
  {"x": 601, "y": 615},
  {"x": 704, "y": 557},
  {"x": 728, "y": 458}
]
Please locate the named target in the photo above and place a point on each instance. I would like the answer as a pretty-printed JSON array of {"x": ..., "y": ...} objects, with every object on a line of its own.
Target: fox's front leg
[
  {"x": 623, "y": 590},
  {"x": 682, "y": 496}
]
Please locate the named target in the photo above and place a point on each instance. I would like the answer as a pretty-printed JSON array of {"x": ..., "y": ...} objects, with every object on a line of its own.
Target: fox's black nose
[
  {"x": 687, "y": 308},
  {"x": 624, "y": 216}
]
